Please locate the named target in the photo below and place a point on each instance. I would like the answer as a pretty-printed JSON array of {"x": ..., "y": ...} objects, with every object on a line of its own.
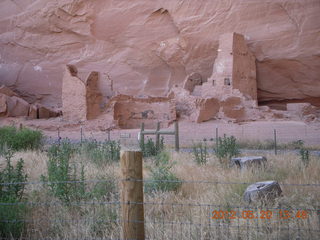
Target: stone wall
[{"x": 130, "y": 112}]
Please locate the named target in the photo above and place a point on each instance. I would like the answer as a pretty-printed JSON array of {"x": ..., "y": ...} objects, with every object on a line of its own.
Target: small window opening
[{"x": 227, "y": 81}]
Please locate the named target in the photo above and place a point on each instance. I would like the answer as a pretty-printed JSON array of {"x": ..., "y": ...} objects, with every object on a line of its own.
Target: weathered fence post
[
  {"x": 275, "y": 141},
  {"x": 142, "y": 137},
  {"x": 158, "y": 136},
  {"x": 132, "y": 195},
  {"x": 176, "y": 135},
  {"x": 81, "y": 134},
  {"x": 59, "y": 138},
  {"x": 217, "y": 138},
  {"x": 108, "y": 135}
]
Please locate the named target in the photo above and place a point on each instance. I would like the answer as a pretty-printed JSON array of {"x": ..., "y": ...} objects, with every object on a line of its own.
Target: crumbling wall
[
  {"x": 94, "y": 96},
  {"x": 74, "y": 103},
  {"x": 244, "y": 75},
  {"x": 130, "y": 112},
  {"x": 191, "y": 81},
  {"x": 234, "y": 69}
]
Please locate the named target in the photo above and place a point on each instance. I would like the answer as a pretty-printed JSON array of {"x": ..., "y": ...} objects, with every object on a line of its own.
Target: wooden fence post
[
  {"x": 176, "y": 135},
  {"x": 158, "y": 136},
  {"x": 142, "y": 137},
  {"x": 217, "y": 138},
  {"x": 109, "y": 139},
  {"x": 132, "y": 195},
  {"x": 81, "y": 135},
  {"x": 275, "y": 141},
  {"x": 59, "y": 138}
]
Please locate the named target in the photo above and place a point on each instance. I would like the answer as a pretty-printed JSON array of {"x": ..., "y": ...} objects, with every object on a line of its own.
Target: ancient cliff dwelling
[
  {"x": 160, "y": 119},
  {"x": 157, "y": 64}
]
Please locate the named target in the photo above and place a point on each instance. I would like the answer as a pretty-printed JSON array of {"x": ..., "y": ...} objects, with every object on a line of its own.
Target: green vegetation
[
  {"x": 162, "y": 178},
  {"x": 60, "y": 169},
  {"x": 101, "y": 152},
  {"x": 200, "y": 153},
  {"x": 305, "y": 156},
  {"x": 11, "y": 194},
  {"x": 226, "y": 148},
  {"x": 150, "y": 149},
  {"x": 67, "y": 179},
  {"x": 19, "y": 139}
]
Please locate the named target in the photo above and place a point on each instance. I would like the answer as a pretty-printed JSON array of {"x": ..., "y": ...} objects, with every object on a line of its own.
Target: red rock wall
[{"x": 146, "y": 47}]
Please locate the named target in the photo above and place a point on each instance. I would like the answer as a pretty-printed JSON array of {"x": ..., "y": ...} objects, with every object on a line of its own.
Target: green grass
[{"x": 19, "y": 139}]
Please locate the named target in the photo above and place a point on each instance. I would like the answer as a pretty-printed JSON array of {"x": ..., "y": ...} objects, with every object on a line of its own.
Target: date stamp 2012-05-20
[{"x": 260, "y": 214}]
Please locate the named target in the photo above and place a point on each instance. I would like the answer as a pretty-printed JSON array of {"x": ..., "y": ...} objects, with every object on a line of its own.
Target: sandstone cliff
[{"x": 146, "y": 47}]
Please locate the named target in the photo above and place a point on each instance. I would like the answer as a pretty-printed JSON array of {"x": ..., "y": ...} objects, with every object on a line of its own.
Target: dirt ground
[{"x": 286, "y": 131}]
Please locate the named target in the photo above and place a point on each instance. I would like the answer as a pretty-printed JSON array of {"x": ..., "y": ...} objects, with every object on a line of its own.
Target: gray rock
[
  {"x": 249, "y": 161},
  {"x": 262, "y": 191}
]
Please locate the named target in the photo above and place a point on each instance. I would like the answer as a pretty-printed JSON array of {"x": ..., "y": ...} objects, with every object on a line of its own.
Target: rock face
[{"x": 146, "y": 47}]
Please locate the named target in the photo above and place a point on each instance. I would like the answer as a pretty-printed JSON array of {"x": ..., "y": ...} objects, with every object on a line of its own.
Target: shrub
[
  {"x": 101, "y": 152},
  {"x": 304, "y": 156},
  {"x": 162, "y": 159},
  {"x": 10, "y": 214},
  {"x": 226, "y": 148},
  {"x": 103, "y": 189},
  {"x": 200, "y": 153},
  {"x": 149, "y": 149},
  {"x": 162, "y": 179},
  {"x": 60, "y": 169},
  {"x": 20, "y": 139}
]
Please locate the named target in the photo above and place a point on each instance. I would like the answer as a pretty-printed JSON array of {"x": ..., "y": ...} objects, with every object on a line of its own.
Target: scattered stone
[
  {"x": 207, "y": 109},
  {"x": 17, "y": 107},
  {"x": 7, "y": 91},
  {"x": 3, "y": 105},
  {"x": 262, "y": 191},
  {"x": 249, "y": 161}
]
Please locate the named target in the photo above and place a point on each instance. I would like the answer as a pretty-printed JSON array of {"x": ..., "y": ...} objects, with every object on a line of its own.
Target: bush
[
  {"x": 226, "y": 148},
  {"x": 10, "y": 214},
  {"x": 304, "y": 156},
  {"x": 104, "y": 152},
  {"x": 103, "y": 189},
  {"x": 20, "y": 139},
  {"x": 60, "y": 169},
  {"x": 149, "y": 149},
  {"x": 162, "y": 159},
  {"x": 200, "y": 153},
  {"x": 162, "y": 179}
]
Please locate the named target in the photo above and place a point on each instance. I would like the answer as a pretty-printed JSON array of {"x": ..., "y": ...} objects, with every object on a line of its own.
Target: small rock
[
  {"x": 262, "y": 191},
  {"x": 249, "y": 161}
]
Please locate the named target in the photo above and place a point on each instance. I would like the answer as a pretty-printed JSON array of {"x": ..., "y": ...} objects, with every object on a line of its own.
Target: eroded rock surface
[{"x": 146, "y": 47}]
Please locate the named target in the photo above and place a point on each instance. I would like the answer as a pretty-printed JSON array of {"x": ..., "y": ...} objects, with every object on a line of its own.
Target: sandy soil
[{"x": 287, "y": 131}]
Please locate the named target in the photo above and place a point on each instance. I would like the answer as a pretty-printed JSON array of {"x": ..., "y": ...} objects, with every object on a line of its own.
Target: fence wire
[{"x": 44, "y": 215}]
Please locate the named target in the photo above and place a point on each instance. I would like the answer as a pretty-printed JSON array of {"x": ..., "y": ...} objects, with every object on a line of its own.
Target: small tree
[
  {"x": 11, "y": 191},
  {"x": 200, "y": 153},
  {"x": 226, "y": 148}
]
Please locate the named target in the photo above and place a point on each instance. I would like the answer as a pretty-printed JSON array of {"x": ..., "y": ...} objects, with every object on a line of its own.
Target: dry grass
[{"x": 185, "y": 214}]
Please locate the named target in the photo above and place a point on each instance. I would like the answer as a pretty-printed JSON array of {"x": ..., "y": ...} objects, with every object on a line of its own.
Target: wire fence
[
  {"x": 248, "y": 135},
  {"x": 44, "y": 215}
]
